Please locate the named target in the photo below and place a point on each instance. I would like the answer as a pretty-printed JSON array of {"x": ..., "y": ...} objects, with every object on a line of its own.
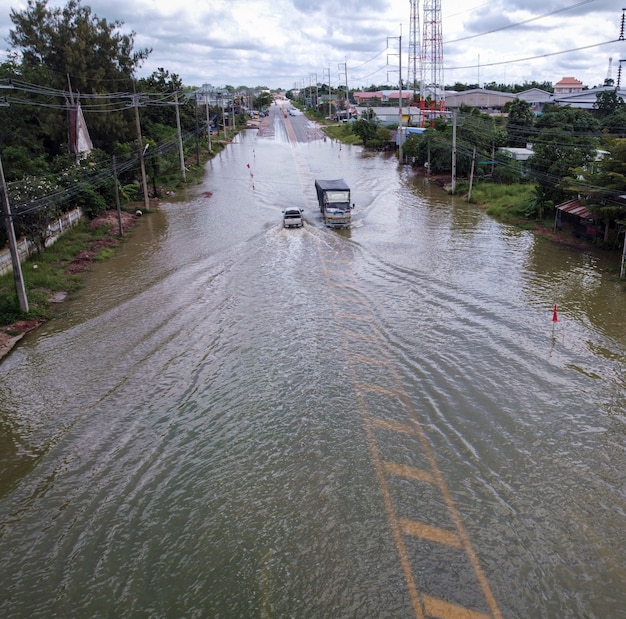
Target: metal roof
[{"x": 575, "y": 207}]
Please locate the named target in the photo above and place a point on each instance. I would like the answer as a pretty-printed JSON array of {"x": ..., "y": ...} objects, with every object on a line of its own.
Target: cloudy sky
[{"x": 290, "y": 43}]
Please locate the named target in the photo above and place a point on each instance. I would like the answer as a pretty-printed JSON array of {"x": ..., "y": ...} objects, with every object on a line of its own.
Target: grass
[
  {"x": 506, "y": 203},
  {"x": 343, "y": 133},
  {"x": 48, "y": 272}
]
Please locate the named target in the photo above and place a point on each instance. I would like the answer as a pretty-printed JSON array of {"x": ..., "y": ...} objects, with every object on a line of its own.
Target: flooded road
[{"x": 237, "y": 420}]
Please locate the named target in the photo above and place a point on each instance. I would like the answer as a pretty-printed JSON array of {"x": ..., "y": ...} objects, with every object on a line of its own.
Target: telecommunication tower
[
  {"x": 432, "y": 52},
  {"x": 415, "y": 60}
]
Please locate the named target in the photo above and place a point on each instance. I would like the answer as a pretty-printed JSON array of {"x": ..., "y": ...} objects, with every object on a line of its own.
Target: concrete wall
[{"x": 26, "y": 249}]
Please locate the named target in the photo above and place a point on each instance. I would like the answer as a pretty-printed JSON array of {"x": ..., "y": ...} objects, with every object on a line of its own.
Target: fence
[{"x": 25, "y": 248}]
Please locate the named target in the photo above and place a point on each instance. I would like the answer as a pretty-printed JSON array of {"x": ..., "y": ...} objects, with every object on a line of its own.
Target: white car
[{"x": 292, "y": 217}]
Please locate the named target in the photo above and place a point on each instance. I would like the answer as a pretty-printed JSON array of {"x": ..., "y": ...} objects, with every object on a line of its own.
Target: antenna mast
[
  {"x": 414, "y": 51},
  {"x": 432, "y": 51}
]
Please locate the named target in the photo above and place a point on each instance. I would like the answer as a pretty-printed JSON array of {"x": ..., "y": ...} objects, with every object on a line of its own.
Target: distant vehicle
[
  {"x": 292, "y": 217},
  {"x": 333, "y": 197}
]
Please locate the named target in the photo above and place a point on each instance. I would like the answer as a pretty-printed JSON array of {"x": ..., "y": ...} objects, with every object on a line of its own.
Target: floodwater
[{"x": 237, "y": 420}]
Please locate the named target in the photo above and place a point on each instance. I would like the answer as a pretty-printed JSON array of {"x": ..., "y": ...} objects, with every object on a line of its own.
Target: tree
[
  {"x": 365, "y": 129},
  {"x": 263, "y": 100},
  {"x": 604, "y": 184},
  {"x": 434, "y": 147},
  {"x": 519, "y": 123},
  {"x": 55, "y": 45},
  {"x": 565, "y": 141},
  {"x": 607, "y": 103},
  {"x": 615, "y": 123}
]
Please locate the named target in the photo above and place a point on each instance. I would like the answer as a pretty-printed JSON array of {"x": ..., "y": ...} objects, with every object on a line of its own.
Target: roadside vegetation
[
  {"x": 59, "y": 269},
  {"x": 576, "y": 153}
]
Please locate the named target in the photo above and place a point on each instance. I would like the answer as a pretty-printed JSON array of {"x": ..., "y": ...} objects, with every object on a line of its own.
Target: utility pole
[
  {"x": 180, "y": 137},
  {"x": 197, "y": 136},
  {"x": 399, "y": 132},
  {"x": 223, "y": 117},
  {"x": 330, "y": 111},
  {"x": 453, "y": 186},
  {"x": 400, "y": 95},
  {"x": 208, "y": 124},
  {"x": 15, "y": 256},
  {"x": 621, "y": 271},
  {"x": 142, "y": 152},
  {"x": 469, "y": 193},
  {"x": 117, "y": 198}
]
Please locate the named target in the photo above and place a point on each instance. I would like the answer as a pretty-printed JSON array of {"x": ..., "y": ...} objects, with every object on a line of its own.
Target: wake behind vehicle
[
  {"x": 333, "y": 197},
  {"x": 292, "y": 217}
]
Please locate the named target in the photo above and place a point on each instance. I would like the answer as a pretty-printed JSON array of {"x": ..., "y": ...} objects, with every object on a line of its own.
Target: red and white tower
[{"x": 432, "y": 53}]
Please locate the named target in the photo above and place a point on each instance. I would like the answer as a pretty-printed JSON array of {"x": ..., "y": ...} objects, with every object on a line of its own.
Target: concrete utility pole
[
  {"x": 400, "y": 96},
  {"x": 142, "y": 152},
  {"x": 330, "y": 111},
  {"x": 181, "y": 152},
  {"x": 399, "y": 132},
  {"x": 208, "y": 124},
  {"x": 453, "y": 186},
  {"x": 117, "y": 198},
  {"x": 224, "y": 118},
  {"x": 15, "y": 256}
]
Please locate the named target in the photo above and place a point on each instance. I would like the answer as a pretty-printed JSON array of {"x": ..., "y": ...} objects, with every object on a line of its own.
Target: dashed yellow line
[
  {"x": 424, "y": 606},
  {"x": 408, "y": 472}
]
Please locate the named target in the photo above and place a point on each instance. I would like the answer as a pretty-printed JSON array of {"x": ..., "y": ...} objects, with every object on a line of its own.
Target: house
[
  {"x": 568, "y": 85},
  {"x": 518, "y": 154}
]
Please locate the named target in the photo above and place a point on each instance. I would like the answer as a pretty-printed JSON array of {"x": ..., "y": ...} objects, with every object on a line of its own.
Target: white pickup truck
[{"x": 292, "y": 217}]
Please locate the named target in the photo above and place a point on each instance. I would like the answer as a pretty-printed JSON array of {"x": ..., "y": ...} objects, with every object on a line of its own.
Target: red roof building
[{"x": 567, "y": 86}]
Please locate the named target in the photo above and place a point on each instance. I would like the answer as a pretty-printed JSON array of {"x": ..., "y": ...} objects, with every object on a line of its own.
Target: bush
[{"x": 91, "y": 201}]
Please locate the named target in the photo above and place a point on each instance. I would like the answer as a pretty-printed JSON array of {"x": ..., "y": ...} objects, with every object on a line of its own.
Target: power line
[
  {"x": 527, "y": 21},
  {"x": 567, "y": 51}
]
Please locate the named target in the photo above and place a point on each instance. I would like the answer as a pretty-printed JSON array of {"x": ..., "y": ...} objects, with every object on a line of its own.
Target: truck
[{"x": 333, "y": 197}]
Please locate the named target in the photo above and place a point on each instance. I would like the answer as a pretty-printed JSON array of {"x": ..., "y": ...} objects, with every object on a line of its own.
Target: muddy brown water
[{"x": 237, "y": 420}]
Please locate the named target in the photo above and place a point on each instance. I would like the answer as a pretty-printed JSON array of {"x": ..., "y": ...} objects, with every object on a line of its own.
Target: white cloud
[{"x": 283, "y": 43}]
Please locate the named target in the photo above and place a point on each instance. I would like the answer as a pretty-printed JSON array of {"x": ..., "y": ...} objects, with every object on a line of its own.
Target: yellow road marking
[
  {"x": 426, "y": 531},
  {"x": 408, "y": 472},
  {"x": 394, "y": 426},
  {"x": 444, "y": 610},
  {"x": 422, "y": 604}
]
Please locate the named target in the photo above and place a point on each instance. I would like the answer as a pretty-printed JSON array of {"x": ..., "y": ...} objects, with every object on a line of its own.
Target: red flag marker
[
  {"x": 248, "y": 165},
  {"x": 555, "y": 317}
]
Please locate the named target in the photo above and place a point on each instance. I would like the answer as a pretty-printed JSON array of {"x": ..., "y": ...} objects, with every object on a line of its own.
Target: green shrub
[{"x": 91, "y": 200}]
